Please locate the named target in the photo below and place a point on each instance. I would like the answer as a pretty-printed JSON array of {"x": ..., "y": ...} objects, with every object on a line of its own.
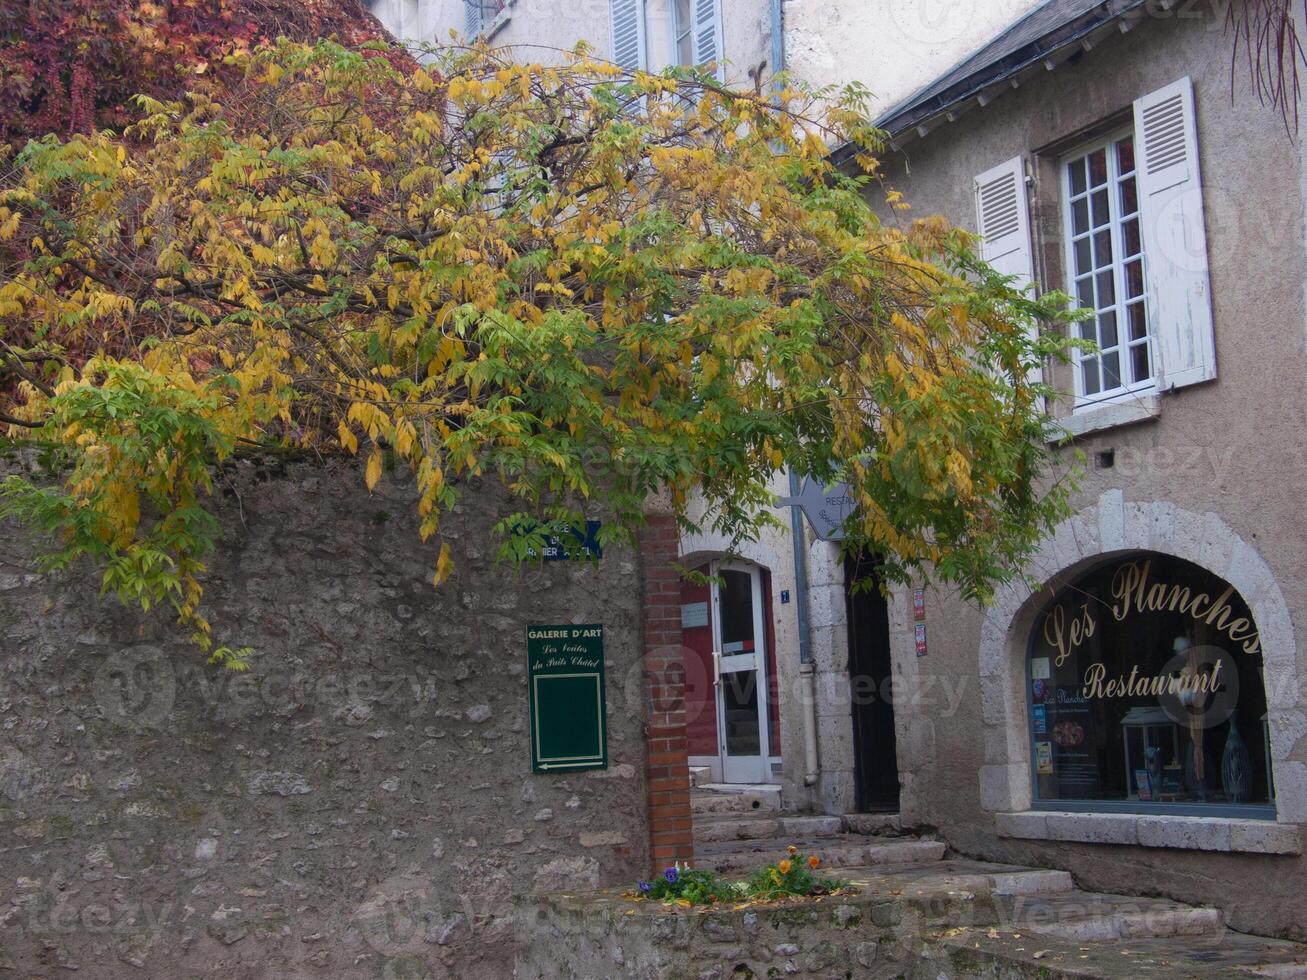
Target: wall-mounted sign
[
  {"x": 920, "y": 637},
  {"x": 572, "y": 543},
  {"x": 694, "y": 615},
  {"x": 919, "y": 605},
  {"x": 825, "y": 507},
  {"x": 565, "y": 683}
]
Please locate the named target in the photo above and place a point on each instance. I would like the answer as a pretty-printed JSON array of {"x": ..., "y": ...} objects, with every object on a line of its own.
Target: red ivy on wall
[{"x": 68, "y": 66}]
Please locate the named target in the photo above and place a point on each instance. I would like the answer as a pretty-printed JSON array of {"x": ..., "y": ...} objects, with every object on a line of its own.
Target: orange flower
[
  {"x": 785, "y": 866},
  {"x": 793, "y": 850},
  {"x": 813, "y": 861}
]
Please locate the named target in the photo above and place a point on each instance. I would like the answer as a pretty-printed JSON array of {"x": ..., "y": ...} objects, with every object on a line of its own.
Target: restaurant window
[{"x": 1145, "y": 694}]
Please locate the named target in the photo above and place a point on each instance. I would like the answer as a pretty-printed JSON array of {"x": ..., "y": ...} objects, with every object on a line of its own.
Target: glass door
[{"x": 740, "y": 673}]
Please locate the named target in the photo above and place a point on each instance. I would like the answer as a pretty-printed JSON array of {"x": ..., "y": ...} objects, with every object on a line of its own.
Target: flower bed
[{"x": 793, "y": 876}]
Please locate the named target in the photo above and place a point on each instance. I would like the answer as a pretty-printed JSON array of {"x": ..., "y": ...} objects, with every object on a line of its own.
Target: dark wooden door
[{"x": 876, "y": 770}]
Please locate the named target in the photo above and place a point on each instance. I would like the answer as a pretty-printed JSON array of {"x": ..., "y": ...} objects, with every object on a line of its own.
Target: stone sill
[
  {"x": 1109, "y": 415},
  {"x": 1142, "y": 830}
]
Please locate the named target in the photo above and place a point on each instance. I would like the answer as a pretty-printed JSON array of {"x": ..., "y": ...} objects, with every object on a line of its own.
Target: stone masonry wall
[{"x": 360, "y": 804}]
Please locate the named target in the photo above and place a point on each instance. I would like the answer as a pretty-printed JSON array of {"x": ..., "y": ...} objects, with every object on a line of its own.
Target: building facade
[{"x": 1133, "y": 711}]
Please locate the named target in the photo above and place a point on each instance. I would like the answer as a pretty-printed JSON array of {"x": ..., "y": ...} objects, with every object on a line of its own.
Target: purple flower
[
  {"x": 646, "y": 886},
  {"x": 671, "y": 874}
]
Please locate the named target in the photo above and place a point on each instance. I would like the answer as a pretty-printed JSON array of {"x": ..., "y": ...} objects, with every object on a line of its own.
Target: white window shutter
[
  {"x": 472, "y": 18},
  {"x": 628, "y": 34},
  {"x": 1003, "y": 220},
  {"x": 1174, "y": 235},
  {"x": 708, "y": 33}
]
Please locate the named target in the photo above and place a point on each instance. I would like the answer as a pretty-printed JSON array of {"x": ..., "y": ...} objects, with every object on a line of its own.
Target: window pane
[
  {"x": 1097, "y": 168},
  {"x": 1106, "y": 289},
  {"x": 736, "y": 610},
  {"x": 1125, "y": 155},
  {"x": 1089, "y": 371},
  {"x": 1080, "y": 216},
  {"x": 1111, "y": 370},
  {"x": 1084, "y": 263},
  {"x": 1085, "y": 291},
  {"x": 1089, "y": 330},
  {"x": 1101, "y": 213},
  {"x": 1129, "y": 196},
  {"x": 1130, "y": 237},
  {"x": 1076, "y": 169},
  {"x": 1134, "y": 279},
  {"x": 1138, "y": 324},
  {"x": 740, "y": 704},
  {"x": 1107, "y": 329},
  {"x": 1139, "y": 362},
  {"x": 1103, "y": 248}
]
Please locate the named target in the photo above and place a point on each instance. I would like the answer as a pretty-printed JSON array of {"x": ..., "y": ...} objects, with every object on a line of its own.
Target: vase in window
[{"x": 1236, "y": 767}]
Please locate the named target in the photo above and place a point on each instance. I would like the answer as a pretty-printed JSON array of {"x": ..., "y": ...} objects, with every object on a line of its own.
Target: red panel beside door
[{"x": 700, "y": 696}]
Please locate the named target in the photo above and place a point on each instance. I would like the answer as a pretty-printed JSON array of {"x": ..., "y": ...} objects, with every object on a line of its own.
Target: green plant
[
  {"x": 795, "y": 874},
  {"x": 792, "y": 876}
]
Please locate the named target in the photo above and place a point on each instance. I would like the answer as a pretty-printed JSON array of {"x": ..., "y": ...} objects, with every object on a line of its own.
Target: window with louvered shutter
[
  {"x": 472, "y": 18},
  {"x": 1174, "y": 235},
  {"x": 628, "y": 34},
  {"x": 697, "y": 33}
]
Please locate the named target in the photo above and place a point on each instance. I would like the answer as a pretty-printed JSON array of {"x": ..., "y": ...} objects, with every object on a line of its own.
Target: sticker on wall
[
  {"x": 1044, "y": 758},
  {"x": 1040, "y": 717},
  {"x": 919, "y": 604},
  {"x": 921, "y": 639},
  {"x": 1038, "y": 690},
  {"x": 1040, "y": 669}
]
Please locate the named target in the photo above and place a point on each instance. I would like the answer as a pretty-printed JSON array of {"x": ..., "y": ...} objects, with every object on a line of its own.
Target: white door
[{"x": 739, "y": 639}]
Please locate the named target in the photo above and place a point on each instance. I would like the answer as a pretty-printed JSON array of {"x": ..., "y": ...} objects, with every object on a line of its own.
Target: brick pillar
[{"x": 670, "y": 835}]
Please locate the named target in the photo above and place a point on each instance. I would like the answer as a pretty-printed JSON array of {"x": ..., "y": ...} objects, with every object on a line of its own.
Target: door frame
[{"x": 742, "y": 769}]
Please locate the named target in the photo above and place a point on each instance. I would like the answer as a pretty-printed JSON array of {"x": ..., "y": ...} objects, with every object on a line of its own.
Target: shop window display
[{"x": 1145, "y": 693}]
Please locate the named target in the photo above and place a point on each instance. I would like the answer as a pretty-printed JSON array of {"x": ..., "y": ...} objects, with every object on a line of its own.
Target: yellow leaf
[
  {"x": 374, "y": 468},
  {"x": 444, "y": 564}
]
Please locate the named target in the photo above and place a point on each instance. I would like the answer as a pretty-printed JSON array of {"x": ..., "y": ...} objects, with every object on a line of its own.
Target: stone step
[
  {"x": 699, "y": 775},
  {"x": 1220, "y": 955},
  {"x": 727, "y": 798},
  {"x": 764, "y": 825},
  {"x": 872, "y": 823},
  {"x": 963, "y": 879},
  {"x": 842, "y": 851},
  {"x": 734, "y": 828},
  {"x": 1090, "y": 917}
]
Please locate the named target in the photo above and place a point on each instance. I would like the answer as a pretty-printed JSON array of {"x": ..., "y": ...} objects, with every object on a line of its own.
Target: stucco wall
[
  {"x": 545, "y": 29},
  {"x": 893, "y": 47},
  {"x": 1231, "y": 448},
  {"x": 360, "y": 804}
]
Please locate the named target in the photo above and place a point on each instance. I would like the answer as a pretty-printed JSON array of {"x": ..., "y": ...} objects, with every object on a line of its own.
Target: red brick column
[{"x": 670, "y": 835}]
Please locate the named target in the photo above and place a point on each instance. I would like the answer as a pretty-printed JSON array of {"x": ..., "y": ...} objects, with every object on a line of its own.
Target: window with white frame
[
  {"x": 697, "y": 32},
  {"x": 1105, "y": 264},
  {"x": 1136, "y": 249}
]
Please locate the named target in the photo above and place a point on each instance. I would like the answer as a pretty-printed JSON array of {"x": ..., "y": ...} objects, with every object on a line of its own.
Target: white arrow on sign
[{"x": 825, "y": 507}]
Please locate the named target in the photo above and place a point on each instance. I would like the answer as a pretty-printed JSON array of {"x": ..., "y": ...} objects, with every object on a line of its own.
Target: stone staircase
[
  {"x": 917, "y": 913},
  {"x": 738, "y": 829}
]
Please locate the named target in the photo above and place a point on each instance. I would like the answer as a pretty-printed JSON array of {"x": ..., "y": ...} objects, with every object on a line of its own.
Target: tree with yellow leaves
[{"x": 591, "y": 285}]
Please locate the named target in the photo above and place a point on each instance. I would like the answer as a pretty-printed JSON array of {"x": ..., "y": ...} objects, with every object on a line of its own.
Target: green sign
[{"x": 565, "y": 678}]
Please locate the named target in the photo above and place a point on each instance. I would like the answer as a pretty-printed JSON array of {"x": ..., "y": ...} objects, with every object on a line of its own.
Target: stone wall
[{"x": 359, "y": 804}]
